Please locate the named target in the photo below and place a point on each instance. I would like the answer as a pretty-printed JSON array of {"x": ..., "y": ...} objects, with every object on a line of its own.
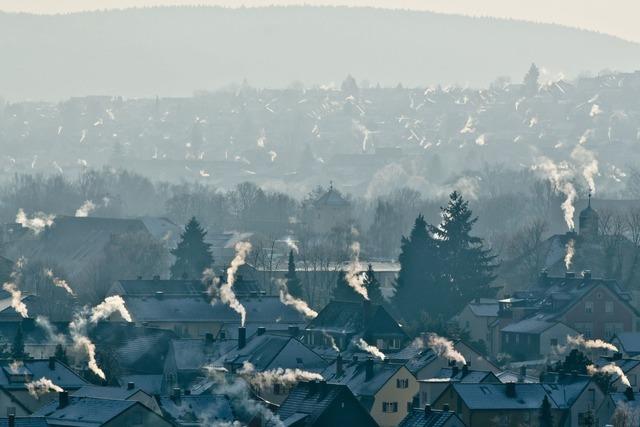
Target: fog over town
[{"x": 317, "y": 215}]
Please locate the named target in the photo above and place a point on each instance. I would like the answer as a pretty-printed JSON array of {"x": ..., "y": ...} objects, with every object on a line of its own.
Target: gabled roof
[
  {"x": 418, "y": 417},
  {"x": 191, "y": 354},
  {"x": 486, "y": 308},
  {"x": 331, "y": 197},
  {"x": 150, "y": 287},
  {"x": 535, "y": 324},
  {"x": 85, "y": 411},
  {"x": 566, "y": 390},
  {"x": 354, "y": 377},
  {"x": 460, "y": 375},
  {"x": 195, "y": 409},
  {"x": 150, "y": 383},
  {"x": 625, "y": 364},
  {"x": 493, "y": 396},
  {"x": 100, "y": 392},
  {"x": 62, "y": 375}
]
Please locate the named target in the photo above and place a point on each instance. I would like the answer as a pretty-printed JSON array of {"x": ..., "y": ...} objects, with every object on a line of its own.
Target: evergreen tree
[
  {"x": 531, "y": 80},
  {"x": 17, "y": 348},
  {"x": 418, "y": 286},
  {"x": 546, "y": 419},
  {"x": 467, "y": 267},
  {"x": 293, "y": 283},
  {"x": 193, "y": 254},
  {"x": 344, "y": 292},
  {"x": 373, "y": 286},
  {"x": 575, "y": 361},
  {"x": 61, "y": 354}
]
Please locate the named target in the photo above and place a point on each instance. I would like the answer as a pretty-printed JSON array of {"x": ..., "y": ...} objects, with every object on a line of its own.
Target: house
[
  {"x": 431, "y": 388},
  {"x": 341, "y": 322},
  {"x": 385, "y": 389},
  {"x": 71, "y": 411},
  {"x": 130, "y": 392},
  {"x": 270, "y": 351},
  {"x": 428, "y": 417},
  {"x": 580, "y": 398},
  {"x": 177, "y": 287},
  {"x": 319, "y": 404},
  {"x": 496, "y": 404},
  {"x": 630, "y": 368},
  {"x": 37, "y": 343},
  {"x": 476, "y": 319},
  {"x": 628, "y": 343},
  {"x": 14, "y": 377},
  {"x": 187, "y": 410},
  {"x": 534, "y": 337},
  {"x": 191, "y": 316}
]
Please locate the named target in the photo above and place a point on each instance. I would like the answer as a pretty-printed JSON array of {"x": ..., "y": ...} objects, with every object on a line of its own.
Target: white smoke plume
[
  {"x": 570, "y": 252},
  {"x": 354, "y": 275},
  {"x": 53, "y": 335},
  {"x": 332, "y": 341},
  {"x": 16, "y": 299},
  {"x": 285, "y": 377},
  {"x": 37, "y": 223},
  {"x": 580, "y": 341},
  {"x": 371, "y": 349},
  {"x": 227, "y": 295},
  {"x": 595, "y": 110},
  {"x": 299, "y": 305},
  {"x": 611, "y": 369},
  {"x": 589, "y": 164},
  {"x": 82, "y": 343},
  {"x": 292, "y": 245},
  {"x": 560, "y": 175},
  {"x": 109, "y": 306},
  {"x": 41, "y": 387},
  {"x": 87, "y": 207},
  {"x": 444, "y": 348},
  {"x": 61, "y": 283}
]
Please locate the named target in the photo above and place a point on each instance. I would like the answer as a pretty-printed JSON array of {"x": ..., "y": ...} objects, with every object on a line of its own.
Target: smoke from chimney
[
  {"x": 568, "y": 257},
  {"x": 299, "y": 305},
  {"x": 227, "y": 295},
  {"x": 354, "y": 275},
  {"x": 109, "y": 306},
  {"x": 444, "y": 348},
  {"x": 36, "y": 224},
  {"x": 580, "y": 341},
  {"x": 41, "y": 387},
  {"x": 371, "y": 349},
  {"x": 611, "y": 369},
  {"x": 60, "y": 283}
]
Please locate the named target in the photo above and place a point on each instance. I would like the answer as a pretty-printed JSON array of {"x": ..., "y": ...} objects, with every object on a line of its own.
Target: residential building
[
  {"x": 129, "y": 392},
  {"x": 534, "y": 337},
  {"x": 430, "y": 389},
  {"x": 428, "y": 417},
  {"x": 630, "y": 368},
  {"x": 476, "y": 319},
  {"x": 319, "y": 404}
]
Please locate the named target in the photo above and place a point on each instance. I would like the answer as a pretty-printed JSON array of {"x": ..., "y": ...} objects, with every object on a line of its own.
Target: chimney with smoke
[
  {"x": 242, "y": 337},
  {"x": 465, "y": 369},
  {"x": 368, "y": 369},
  {"x": 63, "y": 399}
]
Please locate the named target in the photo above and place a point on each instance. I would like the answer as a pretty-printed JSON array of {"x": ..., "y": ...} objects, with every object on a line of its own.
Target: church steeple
[{"x": 589, "y": 222}]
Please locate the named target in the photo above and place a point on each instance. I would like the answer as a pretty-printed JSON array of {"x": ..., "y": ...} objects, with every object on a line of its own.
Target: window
[
  {"x": 588, "y": 307},
  {"x": 506, "y": 338},
  {"x": 612, "y": 328},
  {"x": 395, "y": 343},
  {"x": 608, "y": 307},
  {"x": 390, "y": 407},
  {"x": 554, "y": 342},
  {"x": 402, "y": 382}
]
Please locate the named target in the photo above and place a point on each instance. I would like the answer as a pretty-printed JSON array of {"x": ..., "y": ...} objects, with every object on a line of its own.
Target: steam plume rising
[
  {"x": 580, "y": 341},
  {"x": 58, "y": 282},
  {"x": 354, "y": 275},
  {"x": 299, "y": 305},
  {"x": 42, "y": 386},
  {"x": 54, "y": 336},
  {"x": 571, "y": 250},
  {"x": 589, "y": 164},
  {"x": 332, "y": 341},
  {"x": 36, "y": 224},
  {"x": 292, "y": 245},
  {"x": 16, "y": 299},
  {"x": 226, "y": 289},
  {"x": 109, "y": 306},
  {"x": 87, "y": 207},
  {"x": 559, "y": 176},
  {"x": 82, "y": 343},
  {"x": 444, "y": 348},
  {"x": 611, "y": 369},
  {"x": 371, "y": 349},
  {"x": 286, "y": 377}
]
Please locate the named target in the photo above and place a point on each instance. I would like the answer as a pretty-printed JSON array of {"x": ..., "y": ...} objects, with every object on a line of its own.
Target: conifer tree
[
  {"x": 531, "y": 80},
  {"x": 193, "y": 254},
  {"x": 293, "y": 282},
  {"x": 17, "y": 347},
  {"x": 546, "y": 419},
  {"x": 467, "y": 266},
  {"x": 342, "y": 290},
  {"x": 373, "y": 286}
]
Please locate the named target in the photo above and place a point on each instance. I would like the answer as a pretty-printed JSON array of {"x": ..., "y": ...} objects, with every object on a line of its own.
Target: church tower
[{"x": 588, "y": 222}]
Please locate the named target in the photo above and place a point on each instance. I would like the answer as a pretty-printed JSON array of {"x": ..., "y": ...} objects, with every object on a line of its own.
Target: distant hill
[{"x": 174, "y": 51}]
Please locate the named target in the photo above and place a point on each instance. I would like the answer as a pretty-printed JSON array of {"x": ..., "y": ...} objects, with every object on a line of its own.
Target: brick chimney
[
  {"x": 242, "y": 337},
  {"x": 63, "y": 399},
  {"x": 368, "y": 369}
]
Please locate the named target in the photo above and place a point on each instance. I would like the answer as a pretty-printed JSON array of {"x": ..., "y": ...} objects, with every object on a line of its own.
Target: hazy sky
[{"x": 617, "y": 17}]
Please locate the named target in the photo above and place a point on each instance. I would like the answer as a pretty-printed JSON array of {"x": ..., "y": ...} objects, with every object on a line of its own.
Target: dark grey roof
[
  {"x": 62, "y": 375},
  {"x": 629, "y": 342},
  {"x": 195, "y": 409},
  {"x": 494, "y": 396},
  {"x": 621, "y": 399},
  {"x": 331, "y": 197},
  {"x": 86, "y": 410},
  {"x": 25, "y": 422},
  {"x": 167, "y": 287},
  {"x": 567, "y": 389},
  {"x": 421, "y": 418},
  {"x": 150, "y": 383},
  {"x": 99, "y": 392},
  {"x": 461, "y": 375},
  {"x": 531, "y": 325},
  {"x": 487, "y": 308},
  {"x": 625, "y": 364},
  {"x": 193, "y": 354},
  {"x": 354, "y": 376}
]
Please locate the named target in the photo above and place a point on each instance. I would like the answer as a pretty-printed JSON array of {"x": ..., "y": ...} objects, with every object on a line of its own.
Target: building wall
[
  {"x": 391, "y": 393},
  {"x": 478, "y": 327},
  {"x": 582, "y": 317},
  {"x": 556, "y": 334},
  {"x": 592, "y": 399}
]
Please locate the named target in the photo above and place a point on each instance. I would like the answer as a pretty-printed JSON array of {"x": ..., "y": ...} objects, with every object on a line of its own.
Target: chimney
[
  {"x": 628, "y": 393},
  {"x": 208, "y": 338},
  {"x": 262, "y": 330},
  {"x": 187, "y": 392},
  {"x": 159, "y": 294},
  {"x": 511, "y": 389},
  {"x": 131, "y": 385},
  {"x": 242, "y": 337},
  {"x": 617, "y": 356},
  {"x": 586, "y": 275},
  {"x": 339, "y": 365},
  {"x": 427, "y": 409},
  {"x": 543, "y": 277},
  {"x": 175, "y": 395},
  {"x": 523, "y": 374},
  {"x": 52, "y": 363},
  {"x": 11, "y": 422},
  {"x": 63, "y": 399},
  {"x": 454, "y": 370},
  {"x": 368, "y": 369},
  {"x": 294, "y": 331},
  {"x": 569, "y": 275},
  {"x": 445, "y": 407},
  {"x": 465, "y": 370}
]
